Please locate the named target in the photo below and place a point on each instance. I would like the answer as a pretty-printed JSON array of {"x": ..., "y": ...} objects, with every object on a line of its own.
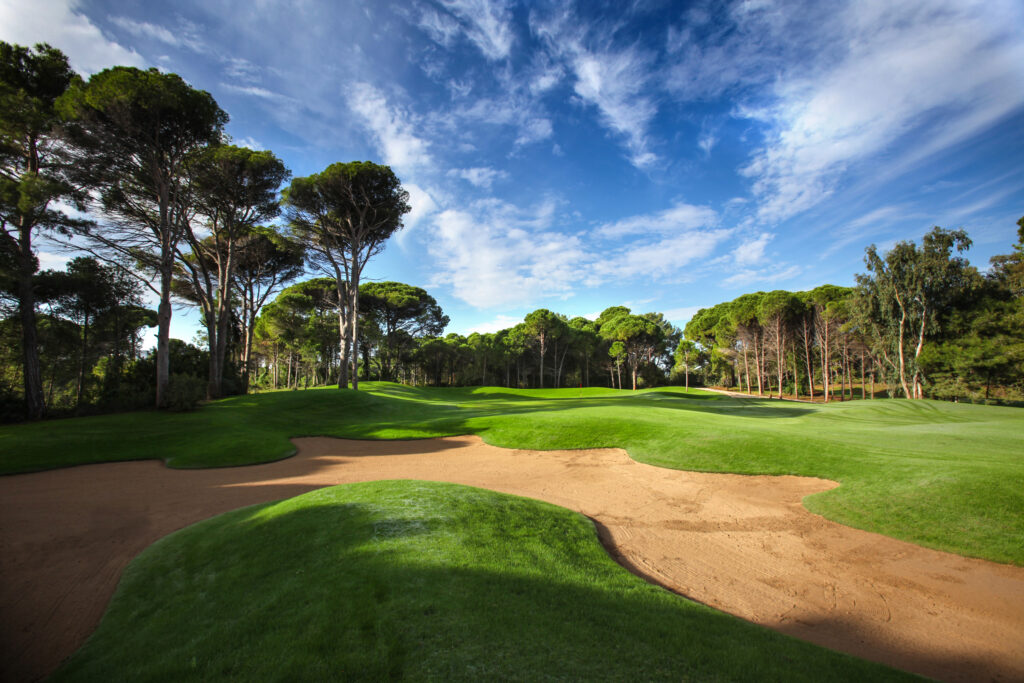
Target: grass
[
  {"x": 421, "y": 581},
  {"x": 944, "y": 475}
]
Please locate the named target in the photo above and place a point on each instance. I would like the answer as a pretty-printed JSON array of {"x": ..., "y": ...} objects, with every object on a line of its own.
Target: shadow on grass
[{"x": 350, "y": 590}]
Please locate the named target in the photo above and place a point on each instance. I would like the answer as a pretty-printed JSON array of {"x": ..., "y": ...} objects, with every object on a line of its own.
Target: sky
[{"x": 661, "y": 155}]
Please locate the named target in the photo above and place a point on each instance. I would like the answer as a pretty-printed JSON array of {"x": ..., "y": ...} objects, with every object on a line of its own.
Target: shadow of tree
[{"x": 496, "y": 588}]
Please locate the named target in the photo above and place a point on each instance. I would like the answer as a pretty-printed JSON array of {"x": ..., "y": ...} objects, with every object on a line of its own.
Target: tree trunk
[
  {"x": 779, "y": 348},
  {"x": 163, "y": 337},
  {"x": 862, "y": 387},
  {"x": 81, "y": 362},
  {"x": 746, "y": 366},
  {"x": 757, "y": 364},
  {"x": 342, "y": 347},
  {"x": 543, "y": 342},
  {"x": 825, "y": 369},
  {"x": 903, "y": 369},
  {"x": 807, "y": 357}
]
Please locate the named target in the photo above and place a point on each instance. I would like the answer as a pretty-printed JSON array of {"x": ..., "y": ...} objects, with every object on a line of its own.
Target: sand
[{"x": 742, "y": 544}]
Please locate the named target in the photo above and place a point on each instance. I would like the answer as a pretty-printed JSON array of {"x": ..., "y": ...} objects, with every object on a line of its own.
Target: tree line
[
  {"x": 132, "y": 168},
  {"x": 400, "y": 339},
  {"x": 921, "y": 322}
]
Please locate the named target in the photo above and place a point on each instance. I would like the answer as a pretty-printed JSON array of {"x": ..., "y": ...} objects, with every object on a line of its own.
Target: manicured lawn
[
  {"x": 421, "y": 581},
  {"x": 950, "y": 476}
]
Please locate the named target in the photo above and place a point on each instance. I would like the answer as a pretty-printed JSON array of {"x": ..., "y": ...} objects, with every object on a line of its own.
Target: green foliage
[
  {"x": 185, "y": 392},
  {"x": 906, "y": 297}
]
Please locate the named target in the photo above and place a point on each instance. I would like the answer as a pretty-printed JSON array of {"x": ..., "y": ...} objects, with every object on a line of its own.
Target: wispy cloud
[
  {"x": 493, "y": 254},
  {"x": 614, "y": 80},
  {"x": 939, "y": 72},
  {"x": 390, "y": 126},
  {"x": 250, "y": 142},
  {"x": 482, "y": 177},
  {"x": 752, "y": 251},
  {"x": 500, "y": 322},
  {"x": 487, "y": 23},
  {"x": 254, "y": 91},
  {"x": 664, "y": 258},
  {"x": 771, "y": 274},
  {"x": 678, "y": 218},
  {"x": 63, "y": 24}
]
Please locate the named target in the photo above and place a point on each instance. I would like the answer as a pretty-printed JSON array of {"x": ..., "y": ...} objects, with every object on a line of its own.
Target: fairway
[
  {"x": 944, "y": 475},
  {"x": 902, "y": 447}
]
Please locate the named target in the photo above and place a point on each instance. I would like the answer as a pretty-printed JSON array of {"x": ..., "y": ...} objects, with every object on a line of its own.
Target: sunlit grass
[{"x": 946, "y": 475}]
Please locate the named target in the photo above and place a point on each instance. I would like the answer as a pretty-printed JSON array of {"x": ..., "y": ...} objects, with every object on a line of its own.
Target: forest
[{"x": 132, "y": 172}]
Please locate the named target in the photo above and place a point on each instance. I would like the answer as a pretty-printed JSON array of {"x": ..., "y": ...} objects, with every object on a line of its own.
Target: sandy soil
[{"x": 742, "y": 544}]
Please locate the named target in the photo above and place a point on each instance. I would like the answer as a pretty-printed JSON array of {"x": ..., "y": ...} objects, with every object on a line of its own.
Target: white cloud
[
  {"x": 680, "y": 217},
  {"x": 487, "y": 24},
  {"x": 254, "y": 91},
  {"x": 612, "y": 80},
  {"x": 752, "y": 251},
  {"x": 442, "y": 28},
  {"x": 680, "y": 316},
  {"x": 144, "y": 29},
  {"x": 706, "y": 142},
  {"x": 495, "y": 254},
  {"x": 749, "y": 276},
  {"x": 62, "y": 24},
  {"x": 665, "y": 257},
  {"x": 936, "y": 73},
  {"x": 421, "y": 205},
  {"x": 390, "y": 126},
  {"x": 251, "y": 143},
  {"x": 482, "y": 177},
  {"x": 534, "y": 130},
  {"x": 500, "y": 322},
  {"x": 184, "y": 35}
]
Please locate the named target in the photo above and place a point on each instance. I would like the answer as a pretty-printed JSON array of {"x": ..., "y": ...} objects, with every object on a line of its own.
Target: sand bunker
[{"x": 742, "y": 544}]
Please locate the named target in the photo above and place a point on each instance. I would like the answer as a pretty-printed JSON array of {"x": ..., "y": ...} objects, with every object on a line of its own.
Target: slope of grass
[
  {"x": 420, "y": 581},
  {"x": 946, "y": 475}
]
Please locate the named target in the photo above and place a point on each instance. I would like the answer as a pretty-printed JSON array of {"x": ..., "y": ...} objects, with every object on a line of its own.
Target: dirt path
[{"x": 742, "y": 544}]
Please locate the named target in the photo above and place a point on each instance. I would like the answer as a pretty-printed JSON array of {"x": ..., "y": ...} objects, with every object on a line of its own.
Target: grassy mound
[
  {"x": 940, "y": 474},
  {"x": 422, "y": 581}
]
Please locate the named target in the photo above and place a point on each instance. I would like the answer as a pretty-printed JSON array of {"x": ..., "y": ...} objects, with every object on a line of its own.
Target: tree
[
  {"x": 905, "y": 295},
  {"x": 587, "y": 342},
  {"x": 686, "y": 352},
  {"x": 345, "y": 214},
  {"x": 267, "y": 259},
  {"x": 543, "y": 325},
  {"x": 776, "y": 311},
  {"x": 33, "y": 177},
  {"x": 83, "y": 293},
  {"x": 633, "y": 337},
  {"x": 235, "y": 188},
  {"x": 403, "y": 312},
  {"x": 139, "y": 130},
  {"x": 1008, "y": 269}
]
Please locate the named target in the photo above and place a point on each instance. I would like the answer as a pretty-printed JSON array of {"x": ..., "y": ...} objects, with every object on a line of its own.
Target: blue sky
[{"x": 662, "y": 155}]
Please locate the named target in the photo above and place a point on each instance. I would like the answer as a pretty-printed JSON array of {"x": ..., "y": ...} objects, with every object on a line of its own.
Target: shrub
[{"x": 185, "y": 392}]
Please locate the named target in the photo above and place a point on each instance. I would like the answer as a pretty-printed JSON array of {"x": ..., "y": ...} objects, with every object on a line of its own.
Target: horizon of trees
[{"x": 172, "y": 207}]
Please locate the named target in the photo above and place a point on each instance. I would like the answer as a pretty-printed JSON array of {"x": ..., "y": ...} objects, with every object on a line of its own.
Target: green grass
[
  {"x": 945, "y": 475},
  {"x": 420, "y": 581}
]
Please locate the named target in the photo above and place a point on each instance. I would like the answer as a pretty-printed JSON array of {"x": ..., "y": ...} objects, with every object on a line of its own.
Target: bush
[{"x": 185, "y": 392}]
